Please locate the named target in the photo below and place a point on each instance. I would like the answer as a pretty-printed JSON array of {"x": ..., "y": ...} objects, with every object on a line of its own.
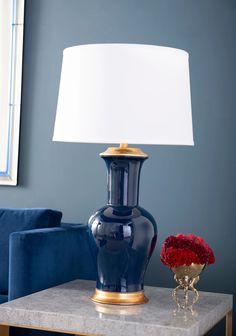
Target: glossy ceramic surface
[{"x": 125, "y": 233}]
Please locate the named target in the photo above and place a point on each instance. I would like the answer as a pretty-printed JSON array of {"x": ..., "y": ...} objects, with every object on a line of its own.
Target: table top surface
[{"x": 68, "y": 308}]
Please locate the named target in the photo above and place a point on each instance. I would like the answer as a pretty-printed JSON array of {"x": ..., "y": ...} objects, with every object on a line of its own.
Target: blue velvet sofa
[{"x": 42, "y": 253}]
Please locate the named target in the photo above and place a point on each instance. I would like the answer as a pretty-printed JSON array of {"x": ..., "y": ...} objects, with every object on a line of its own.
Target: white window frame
[{"x": 11, "y": 51}]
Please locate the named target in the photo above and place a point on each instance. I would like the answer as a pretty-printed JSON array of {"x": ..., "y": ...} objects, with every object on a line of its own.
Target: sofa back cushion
[{"x": 13, "y": 220}]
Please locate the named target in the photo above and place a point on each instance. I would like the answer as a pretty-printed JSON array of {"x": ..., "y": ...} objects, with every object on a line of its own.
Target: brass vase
[{"x": 186, "y": 277}]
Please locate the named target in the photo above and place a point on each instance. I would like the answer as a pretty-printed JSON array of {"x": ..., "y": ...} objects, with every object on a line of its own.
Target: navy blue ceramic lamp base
[{"x": 125, "y": 233}]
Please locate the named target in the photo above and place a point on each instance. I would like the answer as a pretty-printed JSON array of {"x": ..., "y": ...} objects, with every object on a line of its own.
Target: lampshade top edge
[{"x": 153, "y": 46}]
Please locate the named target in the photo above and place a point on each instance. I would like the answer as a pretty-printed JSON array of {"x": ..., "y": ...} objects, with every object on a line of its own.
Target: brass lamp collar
[{"x": 124, "y": 150}]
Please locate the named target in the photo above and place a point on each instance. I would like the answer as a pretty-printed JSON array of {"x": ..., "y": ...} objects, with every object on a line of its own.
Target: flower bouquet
[{"x": 186, "y": 256}]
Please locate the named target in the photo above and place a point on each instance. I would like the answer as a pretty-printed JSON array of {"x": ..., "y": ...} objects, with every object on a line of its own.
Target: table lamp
[{"x": 123, "y": 94}]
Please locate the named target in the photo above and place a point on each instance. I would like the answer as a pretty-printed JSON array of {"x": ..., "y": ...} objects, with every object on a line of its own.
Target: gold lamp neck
[
  {"x": 124, "y": 145},
  {"x": 124, "y": 150}
]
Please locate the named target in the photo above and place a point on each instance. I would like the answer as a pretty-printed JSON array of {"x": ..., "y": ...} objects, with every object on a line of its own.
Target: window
[{"x": 11, "y": 46}]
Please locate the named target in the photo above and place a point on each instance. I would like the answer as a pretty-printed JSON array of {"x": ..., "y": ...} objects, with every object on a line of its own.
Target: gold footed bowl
[{"x": 186, "y": 277}]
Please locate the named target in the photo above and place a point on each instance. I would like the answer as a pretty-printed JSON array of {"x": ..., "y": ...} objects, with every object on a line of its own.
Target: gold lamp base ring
[{"x": 114, "y": 298}]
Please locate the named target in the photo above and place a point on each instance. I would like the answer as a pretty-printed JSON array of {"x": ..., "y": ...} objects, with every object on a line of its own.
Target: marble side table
[{"x": 68, "y": 308}]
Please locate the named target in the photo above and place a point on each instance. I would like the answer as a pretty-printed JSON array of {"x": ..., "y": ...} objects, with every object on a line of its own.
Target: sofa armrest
[{"x": 43, "y": 258}]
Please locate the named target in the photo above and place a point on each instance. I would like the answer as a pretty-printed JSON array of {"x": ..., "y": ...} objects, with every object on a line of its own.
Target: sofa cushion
[
  {"x": 13, "y": 220},
  {"x": 3, "y": 298}
]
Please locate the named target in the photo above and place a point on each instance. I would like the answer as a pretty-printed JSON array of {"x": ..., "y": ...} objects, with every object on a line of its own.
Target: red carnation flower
[{"x": 183, "y": 249}]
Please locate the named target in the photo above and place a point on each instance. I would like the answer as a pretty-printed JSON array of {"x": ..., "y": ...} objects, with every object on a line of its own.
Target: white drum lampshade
[{"x": 124, "y": 93}]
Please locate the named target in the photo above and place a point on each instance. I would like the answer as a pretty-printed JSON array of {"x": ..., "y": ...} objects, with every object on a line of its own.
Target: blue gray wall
[{"x": 186, "y": 189}]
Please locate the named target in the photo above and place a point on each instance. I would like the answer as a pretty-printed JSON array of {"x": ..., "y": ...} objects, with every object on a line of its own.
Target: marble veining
[{"x": 68, "y": 308}]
